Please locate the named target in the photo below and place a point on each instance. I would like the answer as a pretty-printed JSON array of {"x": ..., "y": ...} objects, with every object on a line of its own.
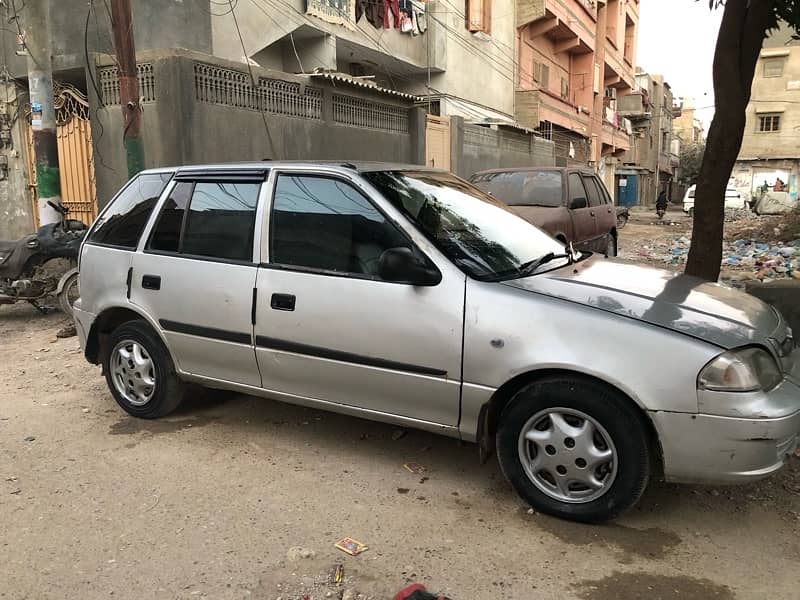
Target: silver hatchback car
[{"x": 407, "y": 295}]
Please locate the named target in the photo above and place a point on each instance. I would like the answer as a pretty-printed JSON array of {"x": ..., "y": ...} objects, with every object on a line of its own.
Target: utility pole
[
  {"x": 43, "y": 114},
  {"x": 122, "y": 26}
]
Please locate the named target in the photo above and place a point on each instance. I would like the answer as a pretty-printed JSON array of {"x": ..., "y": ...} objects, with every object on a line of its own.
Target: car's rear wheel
[
  {"x": 140, "y": 373},
  {"x": 575, "y": 449}
]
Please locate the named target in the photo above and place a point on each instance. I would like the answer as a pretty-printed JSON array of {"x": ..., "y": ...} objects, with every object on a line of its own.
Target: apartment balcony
[
  {"x": 618, "y": 74},
  {"x": 615, "y": 139},
  {"x": 635, "y": 106},
  {"x": 536, "y": 106},
  {"x": 574, "y": 20}
]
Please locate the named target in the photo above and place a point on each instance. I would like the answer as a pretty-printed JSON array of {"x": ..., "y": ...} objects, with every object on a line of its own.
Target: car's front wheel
[
  {"x": 575, "y": 449},
  {"x": 140, "y": 372}
]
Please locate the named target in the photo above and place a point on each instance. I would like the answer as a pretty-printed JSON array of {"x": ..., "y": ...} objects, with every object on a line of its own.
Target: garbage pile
[
  {"x": 764, "y": 261},
  {"x": 741, "y": 259}
]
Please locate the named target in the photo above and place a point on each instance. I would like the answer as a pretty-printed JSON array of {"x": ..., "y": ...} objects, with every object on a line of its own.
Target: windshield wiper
[{"x": 530, "y": 267}]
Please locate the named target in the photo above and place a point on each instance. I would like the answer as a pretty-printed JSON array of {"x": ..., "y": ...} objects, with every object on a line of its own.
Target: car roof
[
  {"x": 358, "y": 166},
  {"x": 582, "y": 170}
]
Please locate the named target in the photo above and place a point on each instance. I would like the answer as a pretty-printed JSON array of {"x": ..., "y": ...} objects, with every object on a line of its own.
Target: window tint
[
  {"x": 122, "y": 224},
  {"x": 576, "y": 190},
  {"x": 324, "y": 223},
  {"x": 221, "y": 220},
  {"x": 167, "y": 232},
  {"x": 595, "y": 199}
]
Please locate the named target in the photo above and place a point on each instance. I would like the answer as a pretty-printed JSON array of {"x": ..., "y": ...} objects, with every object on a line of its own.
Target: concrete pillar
[
  {"x": 43, "y": 114},
  {"x": 457, "y": 165},
  {"x": 417, "y": 120}
]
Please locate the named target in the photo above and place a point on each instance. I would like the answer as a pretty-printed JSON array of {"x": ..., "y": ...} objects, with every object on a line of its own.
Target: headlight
[{"x": 743, "y": 370}]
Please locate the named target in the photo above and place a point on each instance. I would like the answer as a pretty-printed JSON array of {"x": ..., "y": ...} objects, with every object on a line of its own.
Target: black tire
[
  {"x": 615, "y": 413},
  {"x": 167, "y": 391}
]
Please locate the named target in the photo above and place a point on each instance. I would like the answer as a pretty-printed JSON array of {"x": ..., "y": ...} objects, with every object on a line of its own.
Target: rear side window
[
  {"x": 577, "y": 193},
  {"x": 595, "y": 199},
  {"x": 121, "y": 225},
  {"x": 166, "y": 235},
  {"x": 221, "y": 220},
  {"x": 210, "y": 219}
]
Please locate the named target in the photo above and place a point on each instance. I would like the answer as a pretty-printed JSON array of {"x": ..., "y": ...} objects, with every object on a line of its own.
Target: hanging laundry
[
  {"x": 372, "y": 9},
  {"x": 419, "y": 17},
  {"x": 391, "y": 6}
]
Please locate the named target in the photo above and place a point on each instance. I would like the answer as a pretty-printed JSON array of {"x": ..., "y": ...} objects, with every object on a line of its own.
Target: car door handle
[
  {"x": 151, "y": 282},
  {"x": 282, "y": 302},
  {"x": 591, "y": 213}
]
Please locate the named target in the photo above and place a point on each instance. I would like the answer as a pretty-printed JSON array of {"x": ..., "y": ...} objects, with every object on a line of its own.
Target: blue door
[{"x": 627, "y": 190}]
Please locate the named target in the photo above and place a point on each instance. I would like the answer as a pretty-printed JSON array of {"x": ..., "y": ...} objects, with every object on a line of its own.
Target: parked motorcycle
[{"x": 43, "y": 264}]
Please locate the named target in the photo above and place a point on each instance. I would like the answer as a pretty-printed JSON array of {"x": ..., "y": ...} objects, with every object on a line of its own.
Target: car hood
[{"x": 688, "y": 305}]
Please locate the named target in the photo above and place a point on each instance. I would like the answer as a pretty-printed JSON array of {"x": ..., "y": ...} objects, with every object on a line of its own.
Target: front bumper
[{"x": 705, "y": 448}]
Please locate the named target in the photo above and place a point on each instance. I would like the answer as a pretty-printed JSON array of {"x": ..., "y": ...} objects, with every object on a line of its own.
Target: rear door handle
[
  {"x": 151, "y": 282},
  {"x": 282, "y": 302}
]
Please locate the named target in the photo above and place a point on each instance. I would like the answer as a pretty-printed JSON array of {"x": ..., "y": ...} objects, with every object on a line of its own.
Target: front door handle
[
  {"x": 591, "y": 213},
  {"x": 282, "y": 302},
  {"x": 151, "y": 282}
]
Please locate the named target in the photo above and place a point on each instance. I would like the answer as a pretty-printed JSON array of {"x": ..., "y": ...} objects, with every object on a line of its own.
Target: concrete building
[
  {"x": 686, "y": 127},
  {"x": 576, "y": 63},
  {"x": 649, "y": 166},
  {"x": 333, "y": 83},
  {"x": 771, "y": 146}
]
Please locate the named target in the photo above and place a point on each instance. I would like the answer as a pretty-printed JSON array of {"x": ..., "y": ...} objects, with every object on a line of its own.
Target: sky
[{"x": 677, "y": 39}]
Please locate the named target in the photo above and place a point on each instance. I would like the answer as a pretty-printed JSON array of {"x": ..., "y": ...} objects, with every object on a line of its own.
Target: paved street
[{"x": 214, "y": 501}]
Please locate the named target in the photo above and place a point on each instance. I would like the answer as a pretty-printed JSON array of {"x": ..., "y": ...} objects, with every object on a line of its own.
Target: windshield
[
  {"x": 478, "y": 233},
  {"x": 524, "y": 188}
]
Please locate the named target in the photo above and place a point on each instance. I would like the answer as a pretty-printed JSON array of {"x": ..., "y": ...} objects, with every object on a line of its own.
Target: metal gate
[
  {"x": 75, "y": 157},
  {"x": 437, "y": 142},
  {"x": 627, "y": 190}
]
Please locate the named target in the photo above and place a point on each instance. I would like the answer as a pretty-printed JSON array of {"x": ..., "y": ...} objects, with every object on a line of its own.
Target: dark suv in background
[{"x": 572, "y": 205}]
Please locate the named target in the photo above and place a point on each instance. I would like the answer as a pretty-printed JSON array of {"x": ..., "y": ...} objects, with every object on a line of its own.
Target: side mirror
[
  {"x": 401, "y": 265},
  {"x": 578, "y": 203}
]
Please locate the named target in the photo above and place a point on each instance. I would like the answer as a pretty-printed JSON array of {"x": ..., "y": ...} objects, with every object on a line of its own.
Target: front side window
[
  {"x": 476, "y": 231},
  {"x": 577, "y": 193},
  {"x": 208, "y": 219},
  {"x": 122, "y": 224},
  {"x": 594, "y": 193},
  {"x": 325, "y": 224}
]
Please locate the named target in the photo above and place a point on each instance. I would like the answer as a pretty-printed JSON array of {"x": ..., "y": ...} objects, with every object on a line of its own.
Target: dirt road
[{"x": 211, "y": 501}]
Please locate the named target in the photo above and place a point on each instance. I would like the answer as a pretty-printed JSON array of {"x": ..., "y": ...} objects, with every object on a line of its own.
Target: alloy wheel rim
[
  {"x": 133, "y": 372},
  {"x": 568, "y": 455}
]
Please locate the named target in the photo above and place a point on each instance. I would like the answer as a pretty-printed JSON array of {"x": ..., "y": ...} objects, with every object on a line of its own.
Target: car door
[
  {"x": 604, "y": 213},
  {"x": 196, "y": 272},
  {"x": 584, "y": 222},
  {"x": 329, "y": 328}
]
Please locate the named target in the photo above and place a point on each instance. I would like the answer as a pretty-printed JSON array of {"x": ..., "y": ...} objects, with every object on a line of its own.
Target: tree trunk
[{"x": 741, "y": 34}]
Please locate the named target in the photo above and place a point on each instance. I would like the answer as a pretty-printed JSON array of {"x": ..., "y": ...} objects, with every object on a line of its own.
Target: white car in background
[{"x": 733, "y": 199}]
